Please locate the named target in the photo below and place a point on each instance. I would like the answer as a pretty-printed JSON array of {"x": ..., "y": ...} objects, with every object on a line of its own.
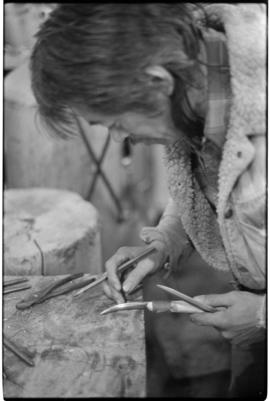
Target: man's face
[{"x": 137, "y": 127}]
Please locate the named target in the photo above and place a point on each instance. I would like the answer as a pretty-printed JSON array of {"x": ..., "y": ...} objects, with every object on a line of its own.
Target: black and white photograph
[{"x": 134, "y": 200}]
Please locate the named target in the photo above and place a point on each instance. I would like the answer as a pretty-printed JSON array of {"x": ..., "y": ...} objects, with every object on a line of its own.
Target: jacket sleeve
[
  {"x": 171, "y": 232},
  {"x": 250, "y": 205}
]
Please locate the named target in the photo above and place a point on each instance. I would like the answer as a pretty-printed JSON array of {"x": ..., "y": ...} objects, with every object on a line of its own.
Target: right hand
[{"x": 148, "y": 265}]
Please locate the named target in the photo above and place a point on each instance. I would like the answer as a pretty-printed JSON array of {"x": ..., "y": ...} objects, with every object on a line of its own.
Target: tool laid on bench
[
  {"x": 15, "y": 281},
  {"x": 53, "y": 290},
  {"x": 12, "y": 285},
  {"x": 148, "y": 251},
  {"x": 22, "y": 353}
]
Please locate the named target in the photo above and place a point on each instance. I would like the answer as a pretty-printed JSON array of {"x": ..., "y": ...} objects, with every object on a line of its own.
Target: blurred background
[{"x": 126, "y": 184}]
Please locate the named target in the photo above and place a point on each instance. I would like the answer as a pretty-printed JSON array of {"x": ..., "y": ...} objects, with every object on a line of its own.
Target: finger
[
  {"x": 113, "y": 294},
  {"x": 227, "y": 334},
  {"x": 208, "y": 319},
  {"x": 111, "y": 267},
  {"x": 137, "y": 275},
  {"x": 107, "y": 290},
  {"x": 226, "y": 299}
]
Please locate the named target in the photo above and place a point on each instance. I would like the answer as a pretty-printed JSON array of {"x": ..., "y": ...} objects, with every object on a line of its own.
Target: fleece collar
[{"x": 245, "y": 31}]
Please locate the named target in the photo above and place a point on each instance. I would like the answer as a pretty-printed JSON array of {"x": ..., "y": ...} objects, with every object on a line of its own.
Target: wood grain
[
  {"x": 50, "y": 231},
  {"x": 79, "y": 353}
]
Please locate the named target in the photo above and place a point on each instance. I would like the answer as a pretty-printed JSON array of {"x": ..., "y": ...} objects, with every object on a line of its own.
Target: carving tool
[
  {"x": 14, "y": 281},
  {"x": 190, "y": 300},
  {"x": 16, "y": 289},
  {"x": 53, "y": 290},
  {"x": 22, "y": 354},
  {"x": 154, "y": 306},
  {"x": 120, "y": 269}
]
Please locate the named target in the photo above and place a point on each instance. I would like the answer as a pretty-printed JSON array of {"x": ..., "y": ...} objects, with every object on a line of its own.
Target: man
[{"x": 194, "y": 80}]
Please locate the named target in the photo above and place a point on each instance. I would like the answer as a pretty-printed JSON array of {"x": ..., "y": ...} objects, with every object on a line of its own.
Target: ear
[{"x": 161, "y": 77}]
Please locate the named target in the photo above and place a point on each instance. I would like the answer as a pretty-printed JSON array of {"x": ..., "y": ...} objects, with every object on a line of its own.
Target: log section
[{"x": 49, "y": 231}]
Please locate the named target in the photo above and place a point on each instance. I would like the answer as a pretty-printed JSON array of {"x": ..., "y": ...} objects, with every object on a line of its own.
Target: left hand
[{"x": 238, "y": 321}]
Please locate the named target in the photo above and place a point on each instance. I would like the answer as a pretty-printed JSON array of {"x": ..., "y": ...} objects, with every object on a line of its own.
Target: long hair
[{"x": 95, "y": 55}]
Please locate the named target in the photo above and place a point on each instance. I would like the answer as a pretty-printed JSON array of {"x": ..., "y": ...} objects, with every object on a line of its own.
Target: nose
[{"x": 118, "y": 134}]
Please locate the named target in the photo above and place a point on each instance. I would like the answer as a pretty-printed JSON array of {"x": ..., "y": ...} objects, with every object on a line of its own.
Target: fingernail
[{"x": 126, "y": 287}]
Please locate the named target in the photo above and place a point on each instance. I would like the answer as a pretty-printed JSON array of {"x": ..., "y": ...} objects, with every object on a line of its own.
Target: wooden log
[
  {"x": 79, "y": 353},
  {"x": 48, "y": 231}
]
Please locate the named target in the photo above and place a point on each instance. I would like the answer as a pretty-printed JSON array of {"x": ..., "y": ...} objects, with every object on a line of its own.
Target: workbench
[{"x": 78, "y": 352}]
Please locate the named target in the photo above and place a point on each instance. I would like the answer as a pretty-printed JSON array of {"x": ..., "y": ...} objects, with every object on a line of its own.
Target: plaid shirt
[{"x": 219, "y": 94}]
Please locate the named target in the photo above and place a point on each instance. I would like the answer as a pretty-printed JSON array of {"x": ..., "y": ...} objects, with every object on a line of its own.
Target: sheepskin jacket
[{"x": 219, "y": 239}]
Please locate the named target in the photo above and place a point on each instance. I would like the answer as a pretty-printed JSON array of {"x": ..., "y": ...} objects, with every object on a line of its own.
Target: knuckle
[
  {"x": 159, "y": 245},
  {"x": 110, "y": 265},
  {"x": 226, "y": 335},
  {"x": 147, "y": 264},
  {"x": 195, "y": 318},
  {"x": 122, "y": 250}
]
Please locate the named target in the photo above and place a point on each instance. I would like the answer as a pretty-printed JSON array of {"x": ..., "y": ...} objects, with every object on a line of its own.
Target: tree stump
[{"x": 48, "y": 231}]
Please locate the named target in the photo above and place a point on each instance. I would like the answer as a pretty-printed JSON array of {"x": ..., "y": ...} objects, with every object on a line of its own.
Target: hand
[
  {"x": 148, "y": 265},
  {"x": 238, "y": 320}
]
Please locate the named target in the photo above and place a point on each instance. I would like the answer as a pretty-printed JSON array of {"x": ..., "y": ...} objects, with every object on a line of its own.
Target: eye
[{"x": 93, "y": 122}]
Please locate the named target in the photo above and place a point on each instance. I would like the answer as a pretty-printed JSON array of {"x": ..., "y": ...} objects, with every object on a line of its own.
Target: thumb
[
  {"x": 207, "y": 319},
  {"x": 137, "y": 275},
  {"x": 216, "y": 299}
]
